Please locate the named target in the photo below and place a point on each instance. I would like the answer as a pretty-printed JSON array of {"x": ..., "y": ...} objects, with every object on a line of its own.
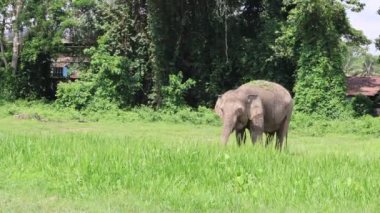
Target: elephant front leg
[
  {"x": 256, "y": 134},
  {"x": 240, "y": 136}
]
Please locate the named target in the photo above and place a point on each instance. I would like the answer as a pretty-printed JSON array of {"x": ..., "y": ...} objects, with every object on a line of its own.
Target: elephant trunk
[{"x": 228, "y": 127}]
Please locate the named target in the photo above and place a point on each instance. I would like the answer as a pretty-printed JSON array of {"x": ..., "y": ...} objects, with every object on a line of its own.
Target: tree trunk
[
  {"x": 2, "y": 49},
  {"x": 157, "y": 50},
  {"x": 16, "y": 35}
]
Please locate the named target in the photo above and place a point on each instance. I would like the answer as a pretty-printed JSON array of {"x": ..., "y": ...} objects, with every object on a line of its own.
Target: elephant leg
[
  {"x": 256, "y": 134},
  {"x": 240, "y": 136},
  {"x": 244, "y": 136},
  {"x": 269, "y": 138},
  {"x": 282, "y": 133},
  {"x": 245, "y": 133},
  {"x": 279, "y": 139}
]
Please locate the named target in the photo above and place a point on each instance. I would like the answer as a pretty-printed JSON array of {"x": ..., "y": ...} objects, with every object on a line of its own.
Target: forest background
[{"x": 171, "y": 54}]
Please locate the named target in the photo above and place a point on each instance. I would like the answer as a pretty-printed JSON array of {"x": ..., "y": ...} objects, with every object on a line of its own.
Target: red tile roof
[{"x": 368, "y": 86}]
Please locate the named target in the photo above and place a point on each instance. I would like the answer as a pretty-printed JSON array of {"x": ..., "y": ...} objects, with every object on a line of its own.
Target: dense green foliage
[
  {"x": 41, "y": 40},
  {"x": 316, "y": 28},
  {"x": 174, "y": 92},
  {"x": 362, "y": 105},
  {"x": 75, "y": 95},
  {"x": 134, "y": 48}
]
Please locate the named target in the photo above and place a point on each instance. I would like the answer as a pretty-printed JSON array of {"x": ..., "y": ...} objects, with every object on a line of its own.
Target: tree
[
  {"x": 315, "y": 28},
  {"x": 17, "y": 10},
  {"x": 377, "y": 41},
  {"x": 120, "y": 66},
  {"x": 368, "y": 64},
  {"x": 35, "y": 27},
  {"x": 135, "y": 46},
  {"x": 3, "y": 17},
  {"x": 352, "y": 55}
]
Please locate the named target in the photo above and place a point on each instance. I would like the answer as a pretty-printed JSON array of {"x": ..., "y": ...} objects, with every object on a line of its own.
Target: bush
[
  {"x": 81, "y": 95},
  {"x": 8, "y": 85},
  {"x": 318, "y": 125},
  {"x": 362, "y": 105},
  {"x": 76, "y": 95},
  {"x": 97, "y": 104},
  {"x": 301, "y": 124},
  {"x": 174, "y": 92}
]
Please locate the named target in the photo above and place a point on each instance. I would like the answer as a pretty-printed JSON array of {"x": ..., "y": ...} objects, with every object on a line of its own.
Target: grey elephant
[{"x": 260, "y": 106}]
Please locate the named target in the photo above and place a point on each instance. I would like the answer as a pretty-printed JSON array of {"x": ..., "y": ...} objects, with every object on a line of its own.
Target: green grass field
[{"x": 110, "y": 166}]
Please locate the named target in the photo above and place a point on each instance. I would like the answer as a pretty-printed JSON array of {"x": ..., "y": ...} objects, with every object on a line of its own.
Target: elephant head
[{"x": 236, "y": 109}]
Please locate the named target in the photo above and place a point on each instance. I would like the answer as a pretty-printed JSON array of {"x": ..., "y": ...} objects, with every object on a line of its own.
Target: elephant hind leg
[
  {"x": 279, "y": 139},
  {"x": 269, "y": 137},
  {"x": 282, "y": 133}
]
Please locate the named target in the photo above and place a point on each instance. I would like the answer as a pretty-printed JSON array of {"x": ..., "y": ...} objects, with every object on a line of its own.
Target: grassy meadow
[{"x": 140, "y": 165}]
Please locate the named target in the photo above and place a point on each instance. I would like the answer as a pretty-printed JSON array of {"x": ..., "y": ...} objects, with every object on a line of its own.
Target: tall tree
[
  {"x": 368, "y": 64},
  {"x": 219, "y": 44},
  {"x": 377, "y": 41},
  {"x": 317, "y": 27},
  {"x": 36, "y": 33},
  {"x": 3, "y": 17},
  {"x": 17, "y": 9}
]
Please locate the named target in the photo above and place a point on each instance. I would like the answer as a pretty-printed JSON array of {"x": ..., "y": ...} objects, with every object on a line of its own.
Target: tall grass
[
  {"x": 52, "y": 112},
  {"x": 302, "y": 124},
  {"x": 143, "y": 166}
]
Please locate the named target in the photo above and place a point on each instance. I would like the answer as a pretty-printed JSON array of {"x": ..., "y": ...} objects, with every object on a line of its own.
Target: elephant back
[
  {"x": 277, "y": 101},
  {"x": 267, "y": 90}
]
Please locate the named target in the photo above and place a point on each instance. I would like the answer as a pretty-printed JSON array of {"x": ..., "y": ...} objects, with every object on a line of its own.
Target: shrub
[
  {"x": 97, "y": 104},
  {"x": 362, "y": 105},
  {"x": 75, "y": 95},
  {"x": 318, "y": 125},
  {"x": 174, "y": 92},
  {"x": 8, "y": 85}
]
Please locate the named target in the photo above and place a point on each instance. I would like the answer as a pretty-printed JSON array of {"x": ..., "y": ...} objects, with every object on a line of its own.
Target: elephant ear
[
  {"x": 255, "y": 110},
  {"x": 218, "y": 106}
]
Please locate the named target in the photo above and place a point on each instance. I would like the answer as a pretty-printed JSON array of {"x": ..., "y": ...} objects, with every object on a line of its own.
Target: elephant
[{"x": 259, "y": 106}]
